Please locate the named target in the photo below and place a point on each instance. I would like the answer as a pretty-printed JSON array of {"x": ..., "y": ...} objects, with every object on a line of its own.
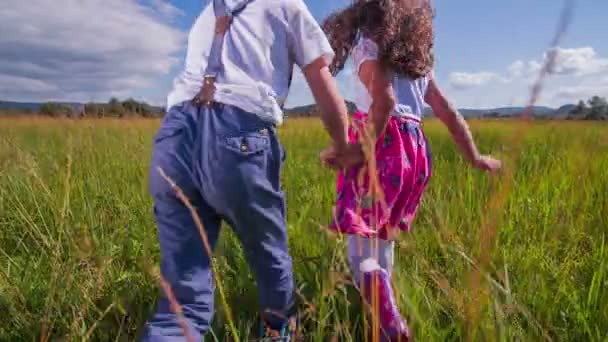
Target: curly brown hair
[{"x": 404, "y": 34}]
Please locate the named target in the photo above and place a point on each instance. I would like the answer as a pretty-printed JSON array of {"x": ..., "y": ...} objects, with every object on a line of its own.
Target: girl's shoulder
[
  {"x": 364, "y": 50},
  {"x": 365, "y": 47}
]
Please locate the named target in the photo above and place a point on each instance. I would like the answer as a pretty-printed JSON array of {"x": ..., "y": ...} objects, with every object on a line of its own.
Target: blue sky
[{"x": 487, "y": 52}]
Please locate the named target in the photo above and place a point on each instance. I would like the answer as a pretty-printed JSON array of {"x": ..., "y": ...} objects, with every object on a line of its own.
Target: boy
[{"x": 218, "y": 143}]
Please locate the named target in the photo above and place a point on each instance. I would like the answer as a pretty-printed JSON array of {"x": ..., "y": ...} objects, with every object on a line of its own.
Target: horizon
[
  {"x": 286, "y": 108},
  {"x": 44, "y": 59}
]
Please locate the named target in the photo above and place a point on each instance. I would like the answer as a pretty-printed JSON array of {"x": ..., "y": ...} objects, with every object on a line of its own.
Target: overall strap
[
  {"x": 223, "y": 19},
  {"x": 223, "y": 16}
]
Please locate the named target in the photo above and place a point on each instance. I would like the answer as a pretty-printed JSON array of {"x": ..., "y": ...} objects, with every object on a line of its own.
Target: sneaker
[
  {"x": 287, "y": 332},
  {"x": 392, "y": 326}
]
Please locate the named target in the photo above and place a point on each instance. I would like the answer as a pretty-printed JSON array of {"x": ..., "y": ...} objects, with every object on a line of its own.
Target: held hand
[
  {"x": 487, "y": 163},
  {"x": 349, "y": 156},
  {"x": 328, "y": 157}
]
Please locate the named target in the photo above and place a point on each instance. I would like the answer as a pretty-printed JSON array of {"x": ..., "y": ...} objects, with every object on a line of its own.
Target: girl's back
[
  {"x": 398, "y": 36},
  {"x": 409, "y": 93}
]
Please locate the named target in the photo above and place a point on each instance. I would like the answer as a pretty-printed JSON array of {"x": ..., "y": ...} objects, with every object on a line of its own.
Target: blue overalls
[{"x": 228, "y": 163}]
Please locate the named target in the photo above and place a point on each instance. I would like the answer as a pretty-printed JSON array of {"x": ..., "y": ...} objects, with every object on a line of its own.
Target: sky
[{"x": 488, "y": 52}]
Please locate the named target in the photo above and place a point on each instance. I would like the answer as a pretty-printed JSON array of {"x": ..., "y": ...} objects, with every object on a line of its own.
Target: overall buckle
[{"x": 207, "y": 92}]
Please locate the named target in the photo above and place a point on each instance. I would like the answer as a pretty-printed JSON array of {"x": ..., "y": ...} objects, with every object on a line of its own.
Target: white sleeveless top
[{"x": 409, "y": 93}]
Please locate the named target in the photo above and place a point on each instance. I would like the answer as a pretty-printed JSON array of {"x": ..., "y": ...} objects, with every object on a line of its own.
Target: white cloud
[
  {"x": 581, "y": 92},
  {"x": 578, "y": 73},
  {"x": 516, "y": 69},
  {"x": 25, "y": 84},
  {"x": 581, "y": 74},
  {"x": 167, "y": 9},
  {"x": 578, "y": 61},
  {"x": 464, "y": 80},
  {"x": 83, "y": 49},
  {"x": 533, "y": 68},
  {"x": 581, "y": 61}
]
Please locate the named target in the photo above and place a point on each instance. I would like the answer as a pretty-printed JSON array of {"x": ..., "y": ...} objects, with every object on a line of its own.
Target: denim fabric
[{"x": 228, "y": 163}]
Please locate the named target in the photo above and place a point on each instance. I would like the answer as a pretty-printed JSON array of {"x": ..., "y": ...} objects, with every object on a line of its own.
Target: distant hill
[
  {"x": 311, "y": 111},
  {"x": 504, "y": 111},
  {"x": 32, "y": 106},
  {"x": 20, "y": 106},
  {"x": 302, "y": 111},
  {"x": 565, "y": 110},
  {"x": 25, "y": 108}
]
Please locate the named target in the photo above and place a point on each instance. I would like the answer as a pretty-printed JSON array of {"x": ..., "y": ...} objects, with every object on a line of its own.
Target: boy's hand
[
  {"x": 487, "y": 163},
  {"x": 328, "y": 157},
  {"x": 341, "y": 159}
]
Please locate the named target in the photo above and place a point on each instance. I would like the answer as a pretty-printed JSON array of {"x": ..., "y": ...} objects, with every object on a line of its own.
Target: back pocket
[{"x": 247, "y": 144}]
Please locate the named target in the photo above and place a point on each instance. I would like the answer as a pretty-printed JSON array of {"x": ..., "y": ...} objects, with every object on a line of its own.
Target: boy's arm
[
  {"x": 312, "y": 53},
  {"x": 331, "y": 104}
]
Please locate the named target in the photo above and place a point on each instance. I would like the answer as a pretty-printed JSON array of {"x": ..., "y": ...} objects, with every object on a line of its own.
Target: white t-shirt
[
  {"x": 263, "y": 43},
  {"x": 409, "y": 93}
]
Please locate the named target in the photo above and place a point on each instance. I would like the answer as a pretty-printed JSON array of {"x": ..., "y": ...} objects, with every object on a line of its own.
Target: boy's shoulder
[
  {"x": 293, "y": 7},
  {"x": 289, "y": 7},
  {"x": 286, "y": 9},
  {"x": 283, "y": 4},
  {"x": 264, "y": 4}
]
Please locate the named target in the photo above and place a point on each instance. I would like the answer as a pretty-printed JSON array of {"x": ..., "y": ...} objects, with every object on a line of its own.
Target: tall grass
[{"x": 521, "y": 256}]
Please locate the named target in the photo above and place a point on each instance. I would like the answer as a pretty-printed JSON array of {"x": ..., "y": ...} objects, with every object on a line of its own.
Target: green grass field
[{"x": 522, "y": 256}]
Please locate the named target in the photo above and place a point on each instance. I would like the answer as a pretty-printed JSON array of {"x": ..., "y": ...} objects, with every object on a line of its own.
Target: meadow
[{"x": 521, "y": 256}]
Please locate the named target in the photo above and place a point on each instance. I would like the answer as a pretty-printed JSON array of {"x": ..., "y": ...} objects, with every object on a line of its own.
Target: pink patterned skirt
[{"x": 383, "y": 207}]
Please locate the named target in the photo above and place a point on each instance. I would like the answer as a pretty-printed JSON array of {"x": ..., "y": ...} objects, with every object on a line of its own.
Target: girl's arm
[
  {"x": 458, "y": 127},
  {"x": 380, "y": 88},
  {"x": 456, "y": 124}
]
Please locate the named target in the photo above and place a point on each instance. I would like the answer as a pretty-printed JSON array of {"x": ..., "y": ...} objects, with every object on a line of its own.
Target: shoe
[
  {"x": 377, "y": 281},
  {"x": 287, "y": 332}
]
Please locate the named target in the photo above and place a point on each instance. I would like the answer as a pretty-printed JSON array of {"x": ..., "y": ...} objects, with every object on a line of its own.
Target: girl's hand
[
  {"x": 350, "y": 156},
  {"x": 328, "y": 157},
  {"x": 487, "y": 163}
]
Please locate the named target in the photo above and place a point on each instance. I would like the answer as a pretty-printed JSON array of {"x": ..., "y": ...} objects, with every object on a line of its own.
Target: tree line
[
  {"x": 596, "y": 108},
  {"x": 113, "y": 109}
]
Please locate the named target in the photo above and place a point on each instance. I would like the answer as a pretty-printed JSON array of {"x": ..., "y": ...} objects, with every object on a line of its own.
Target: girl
[{"x": 390, "y": 42}]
